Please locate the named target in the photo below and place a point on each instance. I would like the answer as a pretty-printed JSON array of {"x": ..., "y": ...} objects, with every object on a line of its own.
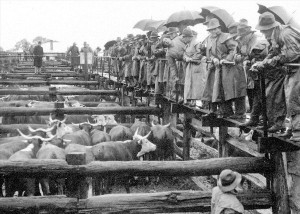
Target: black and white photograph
[{"x": 149, "y": 106}]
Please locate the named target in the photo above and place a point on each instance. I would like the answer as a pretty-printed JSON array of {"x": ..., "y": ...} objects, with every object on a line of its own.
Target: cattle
[
  {"x": 99, "y": 136},
  {"x": 120, "y": 133},
  {"x": 14, "y": 183},
  {"x": 164, "y": 141},
  {"x": 46, "y": 152},
  {"x": 128, "y": 150}
]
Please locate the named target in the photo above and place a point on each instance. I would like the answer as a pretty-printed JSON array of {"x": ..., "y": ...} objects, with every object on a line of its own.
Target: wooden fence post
[
  {"x": 187, "y": 136},
  {"x": 223, "y": 145},
  {"x": 77, "y": 186},
  {"x": 59, "y": 115},
  {"x": 279, "y": 186},
  {"x": 52, "y": 94}
]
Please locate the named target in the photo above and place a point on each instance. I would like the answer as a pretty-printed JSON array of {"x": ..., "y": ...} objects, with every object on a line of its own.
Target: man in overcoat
[
  {"x": 74, "y": 54},
  {"x": 38, "y": 53}
]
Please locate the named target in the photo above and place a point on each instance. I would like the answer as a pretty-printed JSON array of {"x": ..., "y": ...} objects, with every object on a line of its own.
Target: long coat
[
  {"x": 245, "y": 45},
  {"x": 233, "y": 76},
  {"x": 74, "y": 53},
  {"x": 38, "y": 53},
  {"x": 128, "y": 61},
  {"x": 213, "y": 91},
  {"x": 175, "y": 53},
  {"x": 195, "y": 74}
]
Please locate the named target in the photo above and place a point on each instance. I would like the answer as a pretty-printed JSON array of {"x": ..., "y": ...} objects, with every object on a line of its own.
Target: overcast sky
[{"x": 99, "y": 21}]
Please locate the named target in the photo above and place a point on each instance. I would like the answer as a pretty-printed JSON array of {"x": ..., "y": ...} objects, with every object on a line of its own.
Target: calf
[{"x": 99, "y": 136}]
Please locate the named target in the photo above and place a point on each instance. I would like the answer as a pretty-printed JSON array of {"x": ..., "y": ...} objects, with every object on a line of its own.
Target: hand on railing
[{"x": 226, "y": 62}]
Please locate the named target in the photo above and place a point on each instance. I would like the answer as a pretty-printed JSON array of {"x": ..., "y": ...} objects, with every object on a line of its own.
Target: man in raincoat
[
  {"x": 246, "y": 41},
  {"x": 176, "y": 48},
  {"x": 195, "y": 68},
  {"x": 215, "y": 51},
  {"x": 74, "y": 54},
  {"x": 285, "y": 44}
]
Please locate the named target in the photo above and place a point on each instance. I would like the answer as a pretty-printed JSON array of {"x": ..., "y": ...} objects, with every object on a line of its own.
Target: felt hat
[
  {"x": 172, "y": 30},
  {"x": 208, "y": 18},
  {"x": 154, "y": 34},
  {"x": 213, "y": 23},
  {"x": 229, "y": 180},
  {"x": 187, "y": 33},
  {"x": 266, "y": 21}
]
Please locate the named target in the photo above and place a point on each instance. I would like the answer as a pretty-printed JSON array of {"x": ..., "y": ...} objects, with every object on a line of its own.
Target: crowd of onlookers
[{"x": 220, "y": 73}]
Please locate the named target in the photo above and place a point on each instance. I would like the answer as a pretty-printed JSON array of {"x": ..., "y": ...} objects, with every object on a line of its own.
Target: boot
[{"x": 252, "y": 122}]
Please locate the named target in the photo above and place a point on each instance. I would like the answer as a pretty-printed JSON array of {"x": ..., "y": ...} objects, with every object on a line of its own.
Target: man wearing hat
[
  {"x": 95, "y": 57},
  {"x": 195, "y": 68},
  {"x": 38, "y": 53},
  {"x": 74, "y": 54},
  {"x": 246, "y": 40},
  {"x": 224, "y": 198},
  {"x": 177, "y": 68},
  {"x": 127, "y": 58},
  {"x": 285, "y": 48},
  {"x": 215, "y": 51}
]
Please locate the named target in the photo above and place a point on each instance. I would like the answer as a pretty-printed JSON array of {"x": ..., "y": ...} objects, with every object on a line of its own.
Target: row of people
[{"x": 219, "y": 71}]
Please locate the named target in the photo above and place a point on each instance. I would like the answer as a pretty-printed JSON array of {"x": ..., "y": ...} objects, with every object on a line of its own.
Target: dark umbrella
[
  {"x": 222, "y": 15},
  {"x": 281, "y": 15},
  {"x": 184, "y": 17},
  {"x": 109, "y": 44}
]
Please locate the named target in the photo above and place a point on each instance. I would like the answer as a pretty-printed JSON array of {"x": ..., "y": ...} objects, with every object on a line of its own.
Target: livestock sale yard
[{"x": 98, "y": 146}]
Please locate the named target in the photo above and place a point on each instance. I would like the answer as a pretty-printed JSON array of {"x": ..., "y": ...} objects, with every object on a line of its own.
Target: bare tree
[{"x": 23, "y": 44}]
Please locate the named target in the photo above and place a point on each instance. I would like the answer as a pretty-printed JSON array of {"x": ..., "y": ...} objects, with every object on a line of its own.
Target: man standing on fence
[
  {"x": 38, "y": 53},
  {"x": 285, "y": 50}
]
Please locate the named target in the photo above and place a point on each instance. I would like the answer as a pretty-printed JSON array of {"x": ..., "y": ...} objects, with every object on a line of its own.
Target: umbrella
[
  {"x": 158, "y": 26},
  {"x": 222, "y": 15},
  {"x": 184, "y": 17},
  {"x": 281, "y": 15},
  {"x": 109, "y": 44},
  {"x": 144, "y": 24}
]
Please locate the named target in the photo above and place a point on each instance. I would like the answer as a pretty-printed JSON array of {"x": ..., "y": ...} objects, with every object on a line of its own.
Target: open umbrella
[
  {"x": 222, "y": 15},
  {"x": 144, "y": 24},
  {"x": 281, "y": 15},
  {"x": 158, "y": 26},
  {"x": 109, "y": 44},
  {"x": 184, "y": 17}
]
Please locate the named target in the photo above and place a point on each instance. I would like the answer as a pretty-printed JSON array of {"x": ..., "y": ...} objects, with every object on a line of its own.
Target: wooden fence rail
[
  {"x": 161, "y": 202},
  {"x": 213, "y": 166},
  {"x": 55, "y": 92},
  {"x": 23, "y": 111},
  {"x": 48, "y": 82}
]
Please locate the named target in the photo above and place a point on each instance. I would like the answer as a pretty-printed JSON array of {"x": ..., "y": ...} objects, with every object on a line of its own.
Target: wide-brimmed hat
[
  {"x": 172, "y": 30},
  {"x": 118, "y": 39},
  {"x": 137, "y": 37},
  {"x": 213, "y": 23},
  {"x": 229, "y": 180},
  {"x": 187, "y": 33},
  {"x": 130, "y": 36},
  {"x": 229, "y": 36},
  {"x": 233, "y": 24},
  {"x": 266, "y": 21},
  {"x": 143, "y": 37},
  {"x": 74, "y": 43},
  {"x": 243, "y": 27},
  {"x": 154, "y": 34}
]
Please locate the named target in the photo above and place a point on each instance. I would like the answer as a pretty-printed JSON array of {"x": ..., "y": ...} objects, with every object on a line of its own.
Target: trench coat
[
  {"x": 176, "y": 68},
  {"x": 245, "y": 45},
  {"x": 143, "y": 51},
  {"x": 136, "y": 63},
  {"x": 74, "y": 54},
  {"x": 38, "y": 53},
  {"x": 233, "y": 76},
  {"x": 128, "y": 61},
  {"x": 213, "y": 91},
  {"x": 195, "y": 74}
]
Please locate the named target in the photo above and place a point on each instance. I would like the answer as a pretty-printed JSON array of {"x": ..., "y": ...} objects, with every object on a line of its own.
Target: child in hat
[{"x": 224, "y": 200}]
